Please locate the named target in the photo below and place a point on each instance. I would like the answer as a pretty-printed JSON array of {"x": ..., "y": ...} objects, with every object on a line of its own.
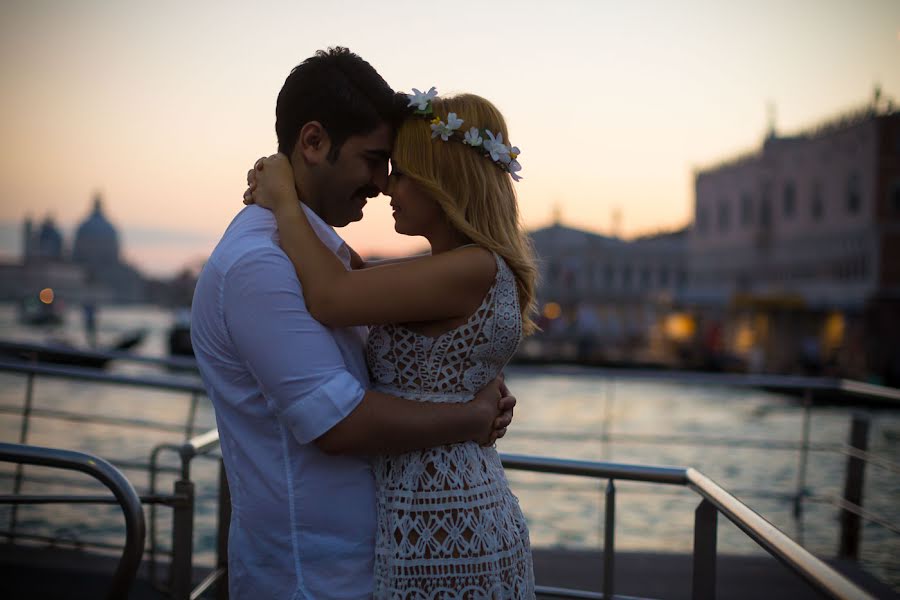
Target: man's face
[{"x": 360, "y": 172}]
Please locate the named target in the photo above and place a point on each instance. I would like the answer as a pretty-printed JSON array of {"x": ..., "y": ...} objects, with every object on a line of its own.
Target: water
[{"x": 561, "y": 413}]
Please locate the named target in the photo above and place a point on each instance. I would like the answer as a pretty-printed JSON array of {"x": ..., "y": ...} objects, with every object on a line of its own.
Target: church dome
[
  {"x": 96, "y": 241},
  {"x": 50, "y": 240}
]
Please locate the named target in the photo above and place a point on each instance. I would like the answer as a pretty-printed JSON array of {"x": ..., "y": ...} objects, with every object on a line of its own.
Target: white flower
[
  {"x": 421, "y": 99},
  {"x": 439, "y": 128},
  {"x": 445, "y": 130},
  {"x": 472, "y": 137},
  {"x": 453, "y": 122},
  {"x": 496, "y": 148},
  {"x": 514, "y": 167}
]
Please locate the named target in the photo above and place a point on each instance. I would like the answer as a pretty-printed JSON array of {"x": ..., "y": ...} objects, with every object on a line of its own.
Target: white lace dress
[{"x": 448, "y": 525}]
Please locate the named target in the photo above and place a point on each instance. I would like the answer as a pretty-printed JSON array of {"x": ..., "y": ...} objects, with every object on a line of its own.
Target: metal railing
[
  {"x": 715, "y": 500},
  {"x": 183, "y": 500},
  {"x": 852, "y": 513},
  {"x": 105, "y": 473}
]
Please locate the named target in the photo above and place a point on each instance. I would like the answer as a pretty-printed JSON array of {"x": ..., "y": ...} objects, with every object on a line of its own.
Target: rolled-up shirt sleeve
[{"x": 294, "y": 358}]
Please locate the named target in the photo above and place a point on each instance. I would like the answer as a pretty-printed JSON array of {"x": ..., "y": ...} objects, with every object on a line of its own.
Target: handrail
[
  {"x": 173, "y": 362},
  {"x": 818, "y": 574},
  {"x": 176, "y": 384},
  {"x": 774, "y": 541},
  {"x": 112, "y": 478},
  {"x": 869, "y": 391}
]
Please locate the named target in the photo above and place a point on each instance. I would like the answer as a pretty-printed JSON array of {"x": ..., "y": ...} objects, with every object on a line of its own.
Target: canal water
[{"x": 735, "y": 436}]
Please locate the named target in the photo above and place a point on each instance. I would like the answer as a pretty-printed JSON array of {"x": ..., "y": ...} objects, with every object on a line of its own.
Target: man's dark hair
[{"x": 341, "y": 91}]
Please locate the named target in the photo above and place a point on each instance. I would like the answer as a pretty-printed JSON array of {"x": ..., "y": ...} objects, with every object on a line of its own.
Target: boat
[
  {"x": 62, "y": 352},
  {"x": 44, "y": 310}
]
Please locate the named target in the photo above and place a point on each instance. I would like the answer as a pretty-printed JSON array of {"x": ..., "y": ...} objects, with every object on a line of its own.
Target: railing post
[
  {"x": 192, "y": 417},
  {"x": 222, "y": 535},
  {"x": 804, "y": 454},
  {"x": 180, "y": 571},
  {"x": 705, "y": 534},
  {"x": 20, "y": 468},
  {"x": 609, "y": 535},
  {"x": 853, "y": 487}
]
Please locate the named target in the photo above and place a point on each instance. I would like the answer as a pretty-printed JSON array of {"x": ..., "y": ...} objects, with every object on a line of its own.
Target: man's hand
[{"x": 494, "y": 410}]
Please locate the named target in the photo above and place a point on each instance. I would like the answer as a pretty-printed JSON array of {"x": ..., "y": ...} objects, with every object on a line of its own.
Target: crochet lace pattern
[{"x": 448, "y": 524}]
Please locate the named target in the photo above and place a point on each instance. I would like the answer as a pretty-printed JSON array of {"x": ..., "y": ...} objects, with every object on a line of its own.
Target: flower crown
[{"x": 482, "y": 140}]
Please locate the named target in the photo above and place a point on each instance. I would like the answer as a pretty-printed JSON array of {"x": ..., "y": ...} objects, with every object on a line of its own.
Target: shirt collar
[{"x": 328, "y": 235}]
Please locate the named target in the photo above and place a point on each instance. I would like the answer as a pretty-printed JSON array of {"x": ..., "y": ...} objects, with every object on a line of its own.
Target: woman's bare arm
[
  {"x": 358, "y": 262},
  {"x": 451, "y": 284}
]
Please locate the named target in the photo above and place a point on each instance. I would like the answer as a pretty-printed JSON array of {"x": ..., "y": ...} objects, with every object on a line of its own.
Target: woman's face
[{"x": 415, "y": 212}]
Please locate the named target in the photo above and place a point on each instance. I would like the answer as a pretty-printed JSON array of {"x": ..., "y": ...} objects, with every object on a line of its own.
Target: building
[
  {"x": 795, "y": 246},
  {"x": 608, "y": 295},
  {"x": 92, "y": 272}
]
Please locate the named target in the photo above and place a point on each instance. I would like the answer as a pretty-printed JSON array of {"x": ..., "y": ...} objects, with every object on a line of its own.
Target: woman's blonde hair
[{"x": 477, "y": 196}]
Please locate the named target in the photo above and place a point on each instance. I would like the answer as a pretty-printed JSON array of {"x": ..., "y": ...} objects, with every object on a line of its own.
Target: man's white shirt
[{"x": 303, "y": 522}]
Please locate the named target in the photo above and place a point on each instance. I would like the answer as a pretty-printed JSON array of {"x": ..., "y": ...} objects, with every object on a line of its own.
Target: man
[{"x": 294, "y": 417}]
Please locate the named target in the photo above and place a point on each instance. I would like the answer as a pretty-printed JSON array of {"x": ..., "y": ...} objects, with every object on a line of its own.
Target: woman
[{"x": 443, "y": 326}]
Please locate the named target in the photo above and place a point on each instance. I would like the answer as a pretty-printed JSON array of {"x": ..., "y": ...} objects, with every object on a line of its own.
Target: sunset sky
[{"x": 163, "y": 106}]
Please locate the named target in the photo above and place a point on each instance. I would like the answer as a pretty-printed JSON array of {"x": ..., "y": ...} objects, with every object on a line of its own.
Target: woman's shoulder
[{"x": 475, "y": 264}]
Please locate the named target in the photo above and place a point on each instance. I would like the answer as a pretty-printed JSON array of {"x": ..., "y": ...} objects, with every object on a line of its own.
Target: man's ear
[{"x": 313, "y": 143}]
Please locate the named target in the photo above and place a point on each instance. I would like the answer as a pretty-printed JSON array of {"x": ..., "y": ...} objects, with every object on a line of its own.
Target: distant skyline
[{"x": 164, "y": 106}]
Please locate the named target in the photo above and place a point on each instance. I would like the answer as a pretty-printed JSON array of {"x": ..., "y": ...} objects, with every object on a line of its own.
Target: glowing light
[
  {"x": 46, "y": 296},
  {"x": 552, "y": 310},
  {"x": 744, "y": 338},
  {"x": 680, "y": 326},
  {"x": 833, "y": 334}
]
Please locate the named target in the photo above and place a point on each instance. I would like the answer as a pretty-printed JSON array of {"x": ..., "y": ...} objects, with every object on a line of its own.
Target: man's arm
[
  {"x": 302, "y": 373},
  {"x": 383, "y": 424}
]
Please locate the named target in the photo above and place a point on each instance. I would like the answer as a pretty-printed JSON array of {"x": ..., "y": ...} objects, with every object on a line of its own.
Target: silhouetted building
[
  {"x": 791, "y": 243},
  {"x": 608, "y": 295},
  {"x": 44, "y": 243},
  {"x": 96, "y": 240},
  {"x": 93, "y": 272}
]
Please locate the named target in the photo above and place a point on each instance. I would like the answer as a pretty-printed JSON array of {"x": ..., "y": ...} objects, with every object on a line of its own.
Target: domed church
[
  {"x": 96, "y": 240},
  {"x": 93, "y": 269}
]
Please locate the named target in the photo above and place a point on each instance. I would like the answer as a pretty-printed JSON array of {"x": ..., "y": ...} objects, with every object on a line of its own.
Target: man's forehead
[{"x": 379, "y": 141}]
